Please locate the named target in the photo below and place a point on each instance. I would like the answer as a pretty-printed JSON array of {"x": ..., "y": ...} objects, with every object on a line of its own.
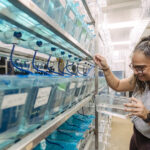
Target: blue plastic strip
[
  {"x": 71, "y": 124},
  {"x": 61, "y": 132},
  {"x": 78, "y": 119},
  {"x": 33, "y": 60},
  {"x": 55, "y": 144}
]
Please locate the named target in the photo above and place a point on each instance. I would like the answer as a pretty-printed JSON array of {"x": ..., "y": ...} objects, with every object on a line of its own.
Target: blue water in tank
[
  {"x": 55, "y": 106},
  {"x": 39, "y": 97},
  {"x": 77, "y": 95},
  {"x": 69, "y": 97},
  {"x": 14, "y": 92}
]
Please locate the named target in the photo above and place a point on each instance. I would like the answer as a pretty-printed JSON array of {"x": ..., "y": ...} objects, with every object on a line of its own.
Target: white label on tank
[
  {"x": 13, "y": 100},
  {"x": 56, "y": 109},
  {"x": 63, "y": 3},
  {"x": 79, "y": 85},
  {"x": 42, "y": 96},
  {"x": 72, "y": 85},
  {"x": 71, "y": 15}
]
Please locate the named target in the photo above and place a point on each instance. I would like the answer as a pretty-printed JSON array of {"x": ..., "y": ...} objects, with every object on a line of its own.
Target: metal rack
[
  {"x": 36, "y": 13},
  {"x": 88, "y": 12}
]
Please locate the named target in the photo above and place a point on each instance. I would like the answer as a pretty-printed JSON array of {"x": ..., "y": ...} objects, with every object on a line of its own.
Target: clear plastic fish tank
[
  {"x": 14, "y": 92},
  {"x": 38, "y": 99},
  {"x": 83, "y": 89},
  {"x": 88, "y": 87},
  {"x": 101, "y": 82},
  {"x": 69, "y": 97},
  {"x": 78, "y": 28},
  {"x": 83, "y": 35},
  {"x": 88, "y": 40},
  {"x": 69, "y": 20},
  {"x": 55, "y": 105},
  {"x": 112, "y": 105},
  {"x": 92, "y": 85},
  {"x": 53, "y": 8},
  {"x": 77, "y": 95},
  {"x": 57, "y": 10}
]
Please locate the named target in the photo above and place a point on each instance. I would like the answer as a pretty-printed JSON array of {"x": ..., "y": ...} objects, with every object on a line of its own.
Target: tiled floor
[{"x": 120, "y": 134}]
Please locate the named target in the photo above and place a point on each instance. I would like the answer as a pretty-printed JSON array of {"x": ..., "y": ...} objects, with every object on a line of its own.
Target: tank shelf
[{"x": 31, "y": 140}]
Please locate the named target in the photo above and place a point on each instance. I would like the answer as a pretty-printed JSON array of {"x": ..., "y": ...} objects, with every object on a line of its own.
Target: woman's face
[{"x": 141, "y": 66}]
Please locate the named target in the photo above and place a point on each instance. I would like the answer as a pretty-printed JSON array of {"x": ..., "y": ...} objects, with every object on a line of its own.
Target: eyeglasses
[{"x": 138, "y": 68}]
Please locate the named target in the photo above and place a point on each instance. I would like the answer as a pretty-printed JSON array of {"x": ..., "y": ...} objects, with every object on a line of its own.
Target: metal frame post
[
  {"x": 96, "y": 86},
  {"x": 96, "y": 113}
]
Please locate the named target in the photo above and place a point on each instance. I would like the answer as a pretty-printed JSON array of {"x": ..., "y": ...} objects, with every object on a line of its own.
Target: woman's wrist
[
  {"x": 105, "y": 69},
  {"x": 146, "y": 116}
]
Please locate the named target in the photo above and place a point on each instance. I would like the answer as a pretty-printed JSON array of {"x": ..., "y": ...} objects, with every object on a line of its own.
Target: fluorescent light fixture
[
  {"x": 121, "y": 43},
  {"x": 122, "y": 24}
]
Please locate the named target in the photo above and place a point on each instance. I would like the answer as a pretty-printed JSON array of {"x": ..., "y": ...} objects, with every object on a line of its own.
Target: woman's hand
[
  {"x": 101, "y": 62},
  {"x": 137, "y": 108}
]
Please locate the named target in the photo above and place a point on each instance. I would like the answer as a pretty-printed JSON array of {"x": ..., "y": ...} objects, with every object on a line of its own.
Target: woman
[{"x": 139, "y": 83}]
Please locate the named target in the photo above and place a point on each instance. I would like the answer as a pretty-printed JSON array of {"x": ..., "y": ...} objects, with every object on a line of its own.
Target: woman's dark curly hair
[{"x": 143, "y": 46}]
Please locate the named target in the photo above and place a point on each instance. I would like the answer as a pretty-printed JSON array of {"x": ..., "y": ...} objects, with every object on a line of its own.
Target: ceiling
[
  {"x": 120, "y": 17},
  {"x": 123, "y": 22},
  {"x": 121, "y": 25}
]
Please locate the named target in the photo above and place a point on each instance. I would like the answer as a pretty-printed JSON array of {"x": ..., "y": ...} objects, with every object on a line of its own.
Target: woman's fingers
[
  {"x": 98, "y": 57},
  {"x": 137, "y": 108},
  {"x": 95, "y": 60},
  {"x": 131, "y": 105},
  {"x": 100, "y": 61}
]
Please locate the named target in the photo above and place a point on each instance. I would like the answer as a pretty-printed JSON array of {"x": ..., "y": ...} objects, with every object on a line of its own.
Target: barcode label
[
  {"x": 56, "y": 109},
  {"x": 14, "y": 100},
  {"x": 42, "y": 96}
]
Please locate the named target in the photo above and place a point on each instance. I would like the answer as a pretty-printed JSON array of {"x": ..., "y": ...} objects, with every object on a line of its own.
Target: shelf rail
[{"x": 88, "y": 12}]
